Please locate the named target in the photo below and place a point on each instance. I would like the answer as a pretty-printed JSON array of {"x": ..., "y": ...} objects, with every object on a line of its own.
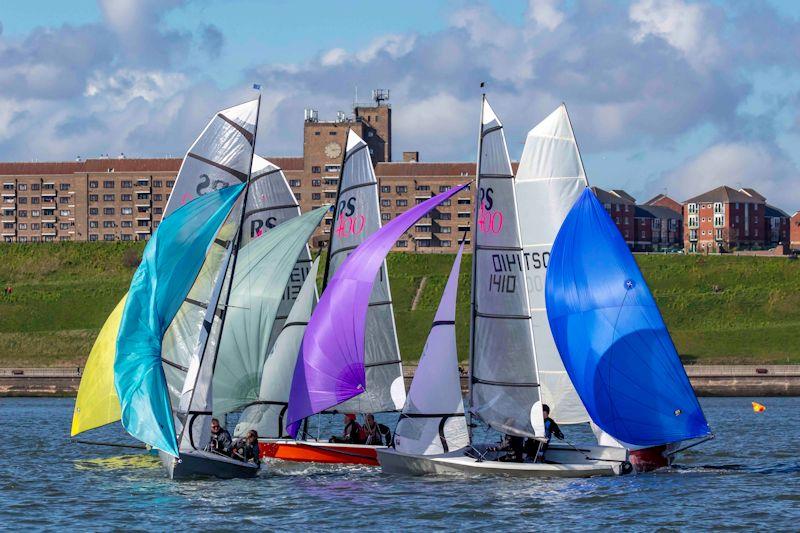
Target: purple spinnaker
[{"x": 330, "y": 368}]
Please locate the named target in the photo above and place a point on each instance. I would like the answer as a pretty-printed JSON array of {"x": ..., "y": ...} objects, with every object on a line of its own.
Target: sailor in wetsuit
[
  {"x": 511, "y": 444},
  {"x": 534, "y": 449},
  {"x": 220, "y": 439},
  {"x": 376, "y": 434},
  {"x": 246, "y": 449},
  {"x": 351, "y": 433}
]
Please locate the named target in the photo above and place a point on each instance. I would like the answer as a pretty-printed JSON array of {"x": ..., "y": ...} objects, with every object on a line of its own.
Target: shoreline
[{"x": 707, "y": 380}]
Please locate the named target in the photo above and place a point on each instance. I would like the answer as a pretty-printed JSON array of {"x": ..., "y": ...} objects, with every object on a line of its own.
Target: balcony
[
  {"x": 142, "y": 230},
  {"x": 49, "y": 232},
  {"x": 9, "y": 194},
  {"x": 49, "y": 192}
]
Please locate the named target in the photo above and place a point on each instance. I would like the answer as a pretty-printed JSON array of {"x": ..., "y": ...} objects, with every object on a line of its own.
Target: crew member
[
  {"x": 513, "y": 445},
  {"x": 220, "y": 439},
  {"x": 351, "y": 434},
  {"x": 246, "y": 449},
  {"x": 376, "y": 434},
  {"x": 550, "y": 429}
]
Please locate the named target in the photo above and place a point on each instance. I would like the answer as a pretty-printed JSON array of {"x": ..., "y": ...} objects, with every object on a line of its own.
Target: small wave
[{"x": 119, "y": 462}]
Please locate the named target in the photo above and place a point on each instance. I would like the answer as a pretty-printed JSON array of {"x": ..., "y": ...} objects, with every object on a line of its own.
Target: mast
[
  {"x": 335, "y": 211},
  {"x": 476, "y": 205}
]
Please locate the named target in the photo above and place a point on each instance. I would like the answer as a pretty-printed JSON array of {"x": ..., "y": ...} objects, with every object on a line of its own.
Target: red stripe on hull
[
  {"x": 319, "y": 453},
  {"x": 649, "y": 459}
]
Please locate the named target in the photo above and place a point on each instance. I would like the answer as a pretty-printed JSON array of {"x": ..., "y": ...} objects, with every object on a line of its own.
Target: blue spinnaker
[
  {"x": 611, "y": 337},
  {"x": 170, "y": 264}
]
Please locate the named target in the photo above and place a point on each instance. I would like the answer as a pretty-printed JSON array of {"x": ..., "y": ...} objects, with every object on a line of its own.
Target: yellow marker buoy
[{"x": 758, "y": 408}]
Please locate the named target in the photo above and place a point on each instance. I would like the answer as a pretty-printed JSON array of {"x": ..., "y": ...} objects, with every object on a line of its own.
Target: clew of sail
[
  {"x": 331, "y": 366},
  {"x": 267, "y": 415},
  {"x": 270, "y": 202},
  {"x": 357, "y": 216},
  {"x": 172, "y": 260},
  {"x": 263, "y": 269},
  {"x": 432, "y": 421},
  {"x": 504, "y": 383},
  {"x": 612, "y": 339},
  {"x": 549, "y": 180}
]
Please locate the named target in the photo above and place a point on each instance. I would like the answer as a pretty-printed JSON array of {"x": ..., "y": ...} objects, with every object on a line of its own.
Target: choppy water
[{"x": 749, "y": 477}]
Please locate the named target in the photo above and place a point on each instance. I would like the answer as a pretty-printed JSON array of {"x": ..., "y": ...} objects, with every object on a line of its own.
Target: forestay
[
  {"x": 331, "y": 368},
  {"x": 263, "y": 268},
  {"x": 267, "y": 415},
  {"x": 432, "y": 421},
  {"x": 171, "y": 262},
  {"x": 611, "y": 336},
  {"x": 549, "y": 179},
  {"x": 504, "y": 389},
  {"x": 270, "y": 202},
  {"x": 357, "y": 216}
]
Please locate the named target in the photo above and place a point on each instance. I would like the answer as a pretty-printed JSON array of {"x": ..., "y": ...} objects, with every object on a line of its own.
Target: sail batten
[
  {"x": 549, "y": 179},
  {"x": 612, "y": 338}
]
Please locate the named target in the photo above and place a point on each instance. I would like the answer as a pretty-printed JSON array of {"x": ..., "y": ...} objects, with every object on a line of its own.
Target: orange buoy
[{"x": 758, "y": 408}]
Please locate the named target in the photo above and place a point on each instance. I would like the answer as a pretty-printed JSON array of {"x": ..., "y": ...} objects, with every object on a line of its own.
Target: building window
[
  {"x": 63, "y": 225},
  {"x": 401, "y": 189},
  {"x": 93, "y": 184},
  {"x": 94, "y": 211},
  {"x": 316, "y": 170},
  {"x": 23, "y": 226},
  {"x": 93, "y": 197},
  {"x": 719, "y": 220},
  {"x": 446, "y": 244},
  {"x": 22, "y": 187},
  {"x": 126, "y": 224},
  {"x": 35, "y": 226},
  {"x": 8, "y": 225},
  {"x": 142, "y": 223},
  {"x": 446, "y": 203},
  {"x": 691, "y": 208},
  {"x": 64, "y": 186},
  {"x": 22, "y": 200},
  {"x": 35, "y": 213},
  {"x": 298, "y": 196},
  {"x": 158, "y": 210},
  {"x": 108, "y": 210},
  {"x": 126, "y": 197},
  {"x": 642, "y": 234},
  {"x": 170, "y": 183},
  {"x": 443, "y": 216},
  {"x": 127, "y": 184},
  {"x": 402, "y": 244},
  {"x": 316, "y": 183},
  {"x": 126, "y": 211},
  {"x": 462, "y": 229},
  {"x": 423, "y": 229},
  {"x": 386, "y": 203},
  {"x": 294, "y": 183},
  {"x": 464, "y": 201},
  {"x": 443, "y": 188},
  {"x": 718, "y": 207},
  {"x": 35, "y": 199},
  {"x": 448, "y": 229},
  {"x": 64, "y": 212},
  {"x": 22, "y": 214},
  {"x": 401, "y": 203},
  {"x": 386, "y": 216},
  {"x": 419, "y": 200},
  {"x": 316, "y": 196},
  {"x": 126, "y": 237},
  {"x": 424, "y": 243},
  {"x": 142, "y": 196},
  {"x": 332, "y": 168},
  {"x": 108, "y": 197},
  {"x": 92, "y": 223},
  {"x": 157, "y": 183},
  {"x": 422, "y": 188},
  {"x": 22, "y": 239},
  {"x": 317, "y": 133},
  {"x": 108, "y": 184},
  {"x": 464, "y": 215},
  {"x": 385, "y": 188},
  {"x": 108, "y": 237},
  {"x": 63, "y": 200},
  {"x": 108, "y": 223},
  {"x": 330, "y": 195}
]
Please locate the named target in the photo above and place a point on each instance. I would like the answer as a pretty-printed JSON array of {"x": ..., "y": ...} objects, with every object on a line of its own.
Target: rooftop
[{"x": 727, "y": 195}]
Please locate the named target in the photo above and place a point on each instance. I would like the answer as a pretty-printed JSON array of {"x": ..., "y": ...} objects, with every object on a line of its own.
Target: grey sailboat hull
[
  {"x": 206, "y": 464},
  {"x": 561, "y": 462}
]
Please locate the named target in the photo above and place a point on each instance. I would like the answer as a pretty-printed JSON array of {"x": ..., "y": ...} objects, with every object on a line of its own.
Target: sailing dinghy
[
  {"x": 356, "y": 217},
  {"x": 504, "y": 378}
]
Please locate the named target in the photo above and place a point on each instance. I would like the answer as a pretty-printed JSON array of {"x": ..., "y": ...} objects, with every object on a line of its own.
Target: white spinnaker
[
  {"x": 550, "y": 178},
  {"x": 220, "y": 156},
  {"x": 432, "y": 421},
  {"x": 270, "y": 202},
  {"x": 267, "y": 415},
  {"x": 504, "y": 388},
  {"x": 358, "y": 216}
]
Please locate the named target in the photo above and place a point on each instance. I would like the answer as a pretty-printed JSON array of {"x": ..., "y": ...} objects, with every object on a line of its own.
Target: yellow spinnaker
[{"x": 97, "y": 403}]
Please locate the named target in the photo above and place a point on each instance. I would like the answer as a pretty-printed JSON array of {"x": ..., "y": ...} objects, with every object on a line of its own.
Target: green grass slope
[{"x": 719, "y": 309}]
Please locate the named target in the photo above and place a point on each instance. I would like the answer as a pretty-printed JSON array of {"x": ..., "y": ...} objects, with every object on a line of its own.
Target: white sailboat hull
[
  {"x": 561, "y": 461},
  {"x": 206, "y": 464}
]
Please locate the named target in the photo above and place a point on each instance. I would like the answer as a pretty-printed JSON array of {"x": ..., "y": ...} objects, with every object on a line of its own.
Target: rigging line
[{"x": 110, "y": 444}]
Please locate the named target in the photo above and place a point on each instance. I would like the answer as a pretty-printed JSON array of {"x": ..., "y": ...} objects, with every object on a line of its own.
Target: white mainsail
[
  {"x": 550, "y": 178},
  {"x": 504, "y": 383},
  {"x": 432, "y": 421},
  {"x": 358, "y": 216},
  {"x": 220, "y": 157},
  {"x": 270, "y": 203},
  {"x": 267, "y": 414}
]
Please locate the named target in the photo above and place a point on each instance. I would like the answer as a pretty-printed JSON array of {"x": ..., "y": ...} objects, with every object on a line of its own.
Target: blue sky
[{"x": 665, "y": 95}]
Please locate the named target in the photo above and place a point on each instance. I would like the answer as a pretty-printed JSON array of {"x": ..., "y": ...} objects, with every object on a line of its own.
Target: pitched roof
[
  {"x": 617, "y": 196},
  {"x": 725, "y": 195},
  {"x": 656, "y": 211},
  {"x": 754, "y": 193},
  {"x": 772, "y": 211}
]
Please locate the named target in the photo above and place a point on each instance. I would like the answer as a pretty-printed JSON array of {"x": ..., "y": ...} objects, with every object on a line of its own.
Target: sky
[{"x": 665, "y": 96}]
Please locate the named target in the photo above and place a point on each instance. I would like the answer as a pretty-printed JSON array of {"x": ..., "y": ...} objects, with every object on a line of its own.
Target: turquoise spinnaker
[{"x": 170, "y": 264}]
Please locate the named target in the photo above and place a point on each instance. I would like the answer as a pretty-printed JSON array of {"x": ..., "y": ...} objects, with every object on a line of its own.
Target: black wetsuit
[
  {"x": 379, "y": 435},
  {"x": 350, "y": 435},
  {"x": 220, "y": 442},
  {"x": 246, "y": 452}
]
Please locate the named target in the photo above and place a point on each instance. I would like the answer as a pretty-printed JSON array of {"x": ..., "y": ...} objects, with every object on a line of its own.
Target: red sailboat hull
[{"x": 318, "y": 452}]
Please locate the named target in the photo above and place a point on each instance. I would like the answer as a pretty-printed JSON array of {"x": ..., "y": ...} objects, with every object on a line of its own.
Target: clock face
[{"x": 333, "y": 150}]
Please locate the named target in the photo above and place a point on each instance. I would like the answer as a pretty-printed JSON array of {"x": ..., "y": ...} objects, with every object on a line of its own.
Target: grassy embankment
[{"x": 719, "y": 309}]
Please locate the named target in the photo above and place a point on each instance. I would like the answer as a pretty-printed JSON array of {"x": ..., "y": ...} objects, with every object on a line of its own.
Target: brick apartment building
[
  {"x": 725, "y": 218},
  {"x": 109, "y": 199},
  {"x": 794, "y": 231}
]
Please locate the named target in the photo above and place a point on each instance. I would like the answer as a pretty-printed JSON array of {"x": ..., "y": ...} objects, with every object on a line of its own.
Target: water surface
[{"x": 748, "y": 477}]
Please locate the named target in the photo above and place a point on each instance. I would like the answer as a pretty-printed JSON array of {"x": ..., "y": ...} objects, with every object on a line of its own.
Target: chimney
[{"x": 411, "y": 157}]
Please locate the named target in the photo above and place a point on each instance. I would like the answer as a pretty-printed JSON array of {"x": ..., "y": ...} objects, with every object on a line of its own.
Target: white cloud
[
  {"x": 545, "y": 14},
  {"x": 686, "y": 27},
  {"x": 120, "y": 87}
]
